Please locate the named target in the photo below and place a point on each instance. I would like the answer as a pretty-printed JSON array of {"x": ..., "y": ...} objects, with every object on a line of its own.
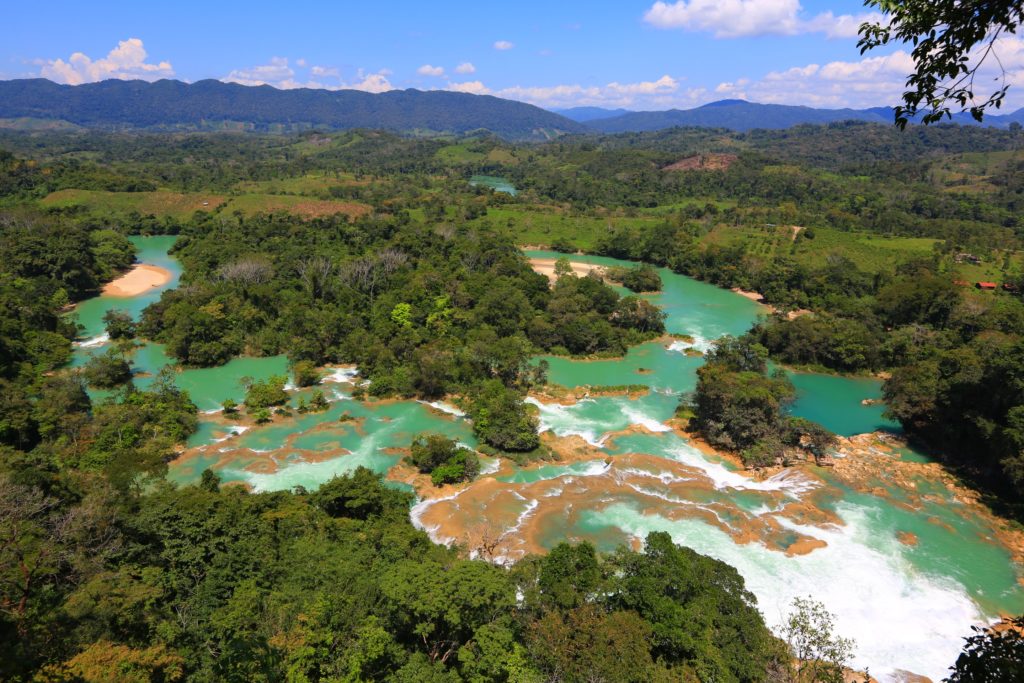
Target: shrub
[
  {"x": 267, "y": 393},
  {"x": 642, "y": 279},
  {"x": 119, "y": 324},
  {"x": 443, "y": 459},
  {"x": 107, "y": 370},
  {"x": 305, "y": 373}
]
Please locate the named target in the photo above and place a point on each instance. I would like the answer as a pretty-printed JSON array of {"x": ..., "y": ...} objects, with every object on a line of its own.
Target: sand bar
[
  {"x": 139, "y": 280},
  {"x": 546, "y": 266}
]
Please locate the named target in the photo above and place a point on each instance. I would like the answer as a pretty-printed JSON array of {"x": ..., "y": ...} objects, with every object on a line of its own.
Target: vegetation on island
[
  {"x": 738, "y": 406},
  {"x": 443, "y": 459}
]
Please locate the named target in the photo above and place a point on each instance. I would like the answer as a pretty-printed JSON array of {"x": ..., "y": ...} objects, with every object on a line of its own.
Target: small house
[{"x": 987, "y": 286}]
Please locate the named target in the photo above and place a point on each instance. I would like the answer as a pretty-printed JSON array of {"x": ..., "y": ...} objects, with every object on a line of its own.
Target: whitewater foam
[
  {"x": 342, "y": 375},
  {"x": 698, "y": 344},
  {"x": 649, "y": 423},
  {"x": 444, "y": 408},
  {"x": 93, "y": 342},
  {"x": 233, "y": 431},
  {"x": 561, "y": 421},
  {"x": 900, "y": 618},
  {"x": 787, "y": 481}
]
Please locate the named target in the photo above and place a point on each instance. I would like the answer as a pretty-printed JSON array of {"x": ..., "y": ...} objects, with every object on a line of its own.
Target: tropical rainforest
[{"x": 371, "y": 248}]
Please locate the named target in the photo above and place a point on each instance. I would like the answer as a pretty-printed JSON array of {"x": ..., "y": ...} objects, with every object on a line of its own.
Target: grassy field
[
  {"x": 971, "y": 172},
  {"x": 543, "y": 228},
  {"x": 181, "y": 206},
  {"x": 312, "y": 184},
  {"x": 870, "y": 252},
  {"x": 459, "y": 154},
  {"x": 160, "y": 203}
]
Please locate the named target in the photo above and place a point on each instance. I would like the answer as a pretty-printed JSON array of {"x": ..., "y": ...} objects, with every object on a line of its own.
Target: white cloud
[
  {"x": 280, "y": 74},
  {"x": 870, "y": 82},
  {"x": 126, "y": 61},
  {"x": 874, "y": 81},
  {"x": 324, "y": 71},
  {"x": 503, "y": 45},
  {"x": 375, "y": 83},
  {"x": 471, "y": 87},
  {"x": 658, "y": 94},
  {"x": 277, "y": 73},
  {"x": 465, "y": 68},
  {"x": 737, "y": 18},
  {"x": 428, "y": 70}
]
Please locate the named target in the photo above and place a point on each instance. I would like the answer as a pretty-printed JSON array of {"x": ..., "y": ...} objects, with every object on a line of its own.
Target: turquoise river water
[{"x": 799, "y": 533}]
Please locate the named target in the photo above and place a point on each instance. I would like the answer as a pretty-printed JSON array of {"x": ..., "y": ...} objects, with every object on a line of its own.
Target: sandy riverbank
[
  {"x": 139, "y": 280},
  {"x": 546, "y": 266}
]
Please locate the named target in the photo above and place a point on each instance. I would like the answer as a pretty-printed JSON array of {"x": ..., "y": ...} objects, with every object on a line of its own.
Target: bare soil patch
[{"x": 703, "y": 162}]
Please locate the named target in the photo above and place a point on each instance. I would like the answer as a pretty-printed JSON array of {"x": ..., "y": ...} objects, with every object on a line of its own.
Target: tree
[
  {"x": 820, "y": 655},
  {"x": 305, "y": 373},
  {"x": 569, "y": 575},
  {"x": 992, "y": 655},
  {"x": 358, "y": 495},
  {"x": 119, "y": 324},
  {"x": 639, "y": 314},
  {"x": 107, "y": 370},
  {"x": 563, "y": 267},
  {"x": 501, "y": 419},
  {"x": 267, "y": 393},
  {"x": 587, "y": 645},
  {"x": 209, "y": 481},
  {"x": 952, "y": 39},
  {"x": 643, "y": 278},
  {"x": 443, "y": 459}
]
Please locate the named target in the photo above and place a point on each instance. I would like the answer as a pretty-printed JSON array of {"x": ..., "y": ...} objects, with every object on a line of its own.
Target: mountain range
[
  {"x": 216, "y": 105},
  {"x": 212, "y": 104},
  {"x": 741, "y": 115}
]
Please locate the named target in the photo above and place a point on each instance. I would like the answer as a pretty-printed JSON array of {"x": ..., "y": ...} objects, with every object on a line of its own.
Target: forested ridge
[
  {"x": 107, "y": 567},
  {"x": 212, "y": 104}
]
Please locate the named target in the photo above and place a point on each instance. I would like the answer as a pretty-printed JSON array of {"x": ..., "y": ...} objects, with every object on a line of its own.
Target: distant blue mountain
[
  {"x": 741, "y": 115},
  {"x": 585, "y": 114}
]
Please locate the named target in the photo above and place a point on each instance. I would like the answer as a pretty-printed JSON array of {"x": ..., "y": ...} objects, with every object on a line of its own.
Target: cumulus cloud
[
  {"x": 428, "y": 70},
  {"x": 872, "y": 81},
  {"x": 503, "y": 45},
  {"x": 740, "y": 18},
  {"x": 324, "y": 71},
  {"x": 471, "y": 87},
  {"x": 869, "y": 82},
  {"x": 279, "y": 73},
  {"x": 375, "y": 83},
  {"x": 465, "y": 68},
  {"x": 658, "y": 94},
  {"x": 126, "y": 61}
]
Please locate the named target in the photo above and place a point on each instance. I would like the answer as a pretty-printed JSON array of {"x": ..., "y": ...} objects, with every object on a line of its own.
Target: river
[{"x": 625, "y": 474}]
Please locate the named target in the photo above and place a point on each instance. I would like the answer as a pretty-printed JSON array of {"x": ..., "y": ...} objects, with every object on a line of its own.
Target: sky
[{"x": 634, "y": 54}]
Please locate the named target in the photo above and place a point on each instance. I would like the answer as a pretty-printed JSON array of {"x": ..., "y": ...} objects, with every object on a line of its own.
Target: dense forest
[
  {"x": 366, "y": 247},
  {"x": 109, "y": 573},
  {"x": 215, "y": 105}
]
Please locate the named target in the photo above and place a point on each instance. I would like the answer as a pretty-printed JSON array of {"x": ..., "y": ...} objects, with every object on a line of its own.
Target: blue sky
[{"x": 638, "y": 54}]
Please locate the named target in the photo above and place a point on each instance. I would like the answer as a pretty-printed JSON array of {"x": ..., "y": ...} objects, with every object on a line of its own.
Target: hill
[
  {"x": 585, "y": 114},
  {"x": 741, "y": 115},
  {"x": 215, "y": 105}
]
